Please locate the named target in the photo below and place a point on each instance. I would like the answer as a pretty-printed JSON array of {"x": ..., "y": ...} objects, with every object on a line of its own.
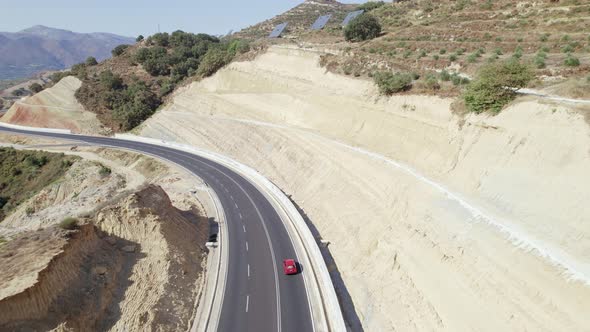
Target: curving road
[{"x": 258, "y": 297}]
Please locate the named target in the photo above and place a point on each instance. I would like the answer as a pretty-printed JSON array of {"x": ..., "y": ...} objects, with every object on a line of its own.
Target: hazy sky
[{"x": 134, "y": 17}]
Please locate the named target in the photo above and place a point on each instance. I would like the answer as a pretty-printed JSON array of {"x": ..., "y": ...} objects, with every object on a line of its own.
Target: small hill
[{"x": 41, "y": 48}]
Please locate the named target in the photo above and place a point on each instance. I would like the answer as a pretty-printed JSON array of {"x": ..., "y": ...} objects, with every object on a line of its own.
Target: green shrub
[
  {"x": 139, "y": 38},
  {"x": 36, "y": 87},
  {"x": 368, "y": 6},
  {"x": 214, "y": 60},
  {"x": 119, "y": 50},
  {"x": 498, "y": 51},
  {"x": 472, "y": 58},
  {"x": 104, "y": 171},
  {"x": 91, "y": 61},
  {"x": 445, "y": 76},
  {"x": 56, "y": 77},
  {"x": 442, "y": 51},
  {"x": 459, "y": 80},
  {"x": 494, "y": 86},
  {"x": 571, "y": 61},
  {"x": 539, "y": 62},
  {"x": 363, "y": 27},
  {"x": 389, "y": 83},
  {"x": 544, "y": 37},
  {"x": 436, "y": 57},
  {"x": 431, "y": 83},
  {"x": 567, "y": 49},
  {"x": 453, "y": 57},
  {"x": 69, "y": 223}
]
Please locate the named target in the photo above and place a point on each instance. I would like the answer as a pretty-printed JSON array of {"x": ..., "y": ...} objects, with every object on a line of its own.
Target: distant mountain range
[{"x": 41, "y": 48}]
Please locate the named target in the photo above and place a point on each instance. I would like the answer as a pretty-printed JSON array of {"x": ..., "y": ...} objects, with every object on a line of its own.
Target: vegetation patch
[
  {"x": 69, "y": 223},
  {"x": 127, "y": 89},
  {"x": 24, "y": 173},
  {"x": 390, "y": 83},
  {"x": 496, "y": 85}
]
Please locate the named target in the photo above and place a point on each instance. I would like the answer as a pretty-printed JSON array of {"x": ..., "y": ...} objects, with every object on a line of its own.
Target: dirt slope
[
  {"x": 55, "y": 107},
  {"x": 436, "y": 222}
]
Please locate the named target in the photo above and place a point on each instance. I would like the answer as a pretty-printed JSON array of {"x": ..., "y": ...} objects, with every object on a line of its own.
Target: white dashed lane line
[
  {"x": 247, "y": 247},
  {"x": 247, "y": 302},
  {"x": 248, "y": 270},
  {"x": 244, "y": 227}
]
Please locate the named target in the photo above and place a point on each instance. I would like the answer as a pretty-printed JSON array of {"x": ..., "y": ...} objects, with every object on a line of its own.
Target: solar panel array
[
  {"x": 276, "y": 33},
  {"x": 351, "y": 16},
  {"x": 321, "y": 22}
]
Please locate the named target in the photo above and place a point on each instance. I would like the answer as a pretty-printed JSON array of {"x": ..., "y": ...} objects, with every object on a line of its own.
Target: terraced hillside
[
  {"x": 426, "y": 37},
  {"x": 300, "y": 20}
]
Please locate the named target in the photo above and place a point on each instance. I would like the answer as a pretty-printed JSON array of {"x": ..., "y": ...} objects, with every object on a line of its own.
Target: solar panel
[
  {"x": 351, "y": 16},
  {"x": 276, "y": 33},
  {"x": 321, "y": 22}
]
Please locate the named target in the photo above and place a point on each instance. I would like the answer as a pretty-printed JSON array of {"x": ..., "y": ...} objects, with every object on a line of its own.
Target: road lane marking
[
  {"x": 240, "y": 214},
  {"x": 247, "y": 302},
  {"x": 247, "y": 250},
  {"x": 232, "y": 197},
  {"x": 244, "y": 227},
  {"x": 248, "y": 270},
  {"x": 236, "y": 205}
]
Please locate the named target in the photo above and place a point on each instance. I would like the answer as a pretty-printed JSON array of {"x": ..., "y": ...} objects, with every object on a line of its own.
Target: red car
[{"x": 289, "y": 266}]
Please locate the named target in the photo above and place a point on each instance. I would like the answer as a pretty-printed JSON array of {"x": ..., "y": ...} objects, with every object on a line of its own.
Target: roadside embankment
[
  {"x": 435, "y": 221},
  {"x": 55, "y": 107}
]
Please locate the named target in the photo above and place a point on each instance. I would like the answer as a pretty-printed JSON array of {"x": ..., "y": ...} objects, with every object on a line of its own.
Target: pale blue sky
[{"x": 134, "y": 17}]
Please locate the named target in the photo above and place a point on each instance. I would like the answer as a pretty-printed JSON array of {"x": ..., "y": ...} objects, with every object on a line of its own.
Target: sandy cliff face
[
  {"x": 435, "y": 222},
  {"x": 55, "y": 107}
]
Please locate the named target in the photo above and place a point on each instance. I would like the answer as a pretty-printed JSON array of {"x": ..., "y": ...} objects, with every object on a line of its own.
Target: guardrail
[{"x": 331, "y": 318}]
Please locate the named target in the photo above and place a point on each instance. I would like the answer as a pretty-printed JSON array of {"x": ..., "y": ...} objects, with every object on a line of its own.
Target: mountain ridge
[{"x": 41, "y": 48}]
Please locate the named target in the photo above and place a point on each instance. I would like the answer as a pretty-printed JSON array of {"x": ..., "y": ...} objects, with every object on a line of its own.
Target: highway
[{"x": 257, "y": 296}]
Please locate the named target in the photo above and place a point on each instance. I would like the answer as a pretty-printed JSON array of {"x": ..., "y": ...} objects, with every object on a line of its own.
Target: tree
[
  {"x": 36, "y": 87},
  {"x": 139, "y": 38},
  {"x": 119, "y": 50},
  {"x": 91, "y": 61},
  {"x": 363, "y": 27},
  {"x": 496, "y": 85}
]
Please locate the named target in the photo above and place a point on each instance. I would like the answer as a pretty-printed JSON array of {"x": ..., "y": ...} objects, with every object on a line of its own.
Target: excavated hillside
[
  {"x": 435, "y": 221},
  {"x": 135, "y": 261},
  {"x": 55, "y": 107}
]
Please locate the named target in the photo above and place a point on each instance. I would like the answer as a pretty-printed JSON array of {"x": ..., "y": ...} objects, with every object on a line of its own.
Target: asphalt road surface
[{"x": 258, "y": 296}]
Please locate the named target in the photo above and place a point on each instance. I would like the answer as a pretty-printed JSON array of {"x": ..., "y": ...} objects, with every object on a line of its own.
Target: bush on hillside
[
  {"x": 69, "y": 223},
  {"x": 214, "y": 60},
  {"x": 363, "y": 27},
  {"x": 56, "y": 77},
  {"x": 119, "y": 50},
  {"x": 36, "y": 87},
  {"x": 139, "y": 38},
  {"x": 495, "y": 86},
  {"x": 91, "y": 61},
  {"x": 371, "y": 5},
  {"x": 571, "y": 61},
  {"x": 389, "y": 83}
]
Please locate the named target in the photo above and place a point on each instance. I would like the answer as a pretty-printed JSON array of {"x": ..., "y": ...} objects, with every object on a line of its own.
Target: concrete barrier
[
  {"x": 42, "y": 130},
  {"x": 326, "y": 311}
]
